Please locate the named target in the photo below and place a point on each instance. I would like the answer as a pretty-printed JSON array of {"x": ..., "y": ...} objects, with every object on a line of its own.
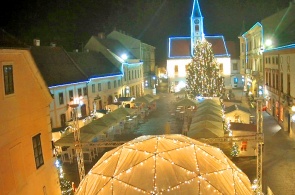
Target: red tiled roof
[{"x": 181, "y": 47}]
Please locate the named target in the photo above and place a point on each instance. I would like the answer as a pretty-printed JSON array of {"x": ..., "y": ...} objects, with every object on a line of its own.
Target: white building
[
  {"x": 142, "y": 51},
  {"x": 181, "y": 50}
]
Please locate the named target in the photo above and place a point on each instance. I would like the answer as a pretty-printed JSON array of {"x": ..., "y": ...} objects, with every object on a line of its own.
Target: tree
[{"x": 203, "y": 77}]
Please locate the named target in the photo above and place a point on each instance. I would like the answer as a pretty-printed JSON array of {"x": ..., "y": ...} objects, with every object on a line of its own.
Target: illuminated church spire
[{"x": 197, "y": 32}]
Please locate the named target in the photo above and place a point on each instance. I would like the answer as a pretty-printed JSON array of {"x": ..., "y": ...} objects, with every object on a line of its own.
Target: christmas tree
[
  {"x": 203, "y": 77},
  {"x": 65, "y": 185}
]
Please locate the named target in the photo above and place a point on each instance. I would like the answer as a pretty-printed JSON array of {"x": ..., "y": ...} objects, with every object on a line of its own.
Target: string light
[{"x": 140, "y": 155}]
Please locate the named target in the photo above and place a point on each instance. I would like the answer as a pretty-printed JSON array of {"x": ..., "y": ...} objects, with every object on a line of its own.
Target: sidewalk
[{"x": 278, "y": 155}]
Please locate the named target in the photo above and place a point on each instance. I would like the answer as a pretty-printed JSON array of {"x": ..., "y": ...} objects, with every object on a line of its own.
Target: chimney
[
  {"x": 36, "y": 42},
  {"x": 101, "y": 35}
]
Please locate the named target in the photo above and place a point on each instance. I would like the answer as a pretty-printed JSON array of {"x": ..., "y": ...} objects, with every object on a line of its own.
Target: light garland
[{"x": 207, "y": 162}]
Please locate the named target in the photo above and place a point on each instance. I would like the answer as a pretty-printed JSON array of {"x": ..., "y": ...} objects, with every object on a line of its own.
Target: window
[
  {"x": 39, "y": 161},
  {"x": 61, "y": 98},
  {"x": 93, "y": 88},
  {"x": 129, "y": 76},
  {"x": 8, "y": 79},
  {"x": 235, "y": 66},
  {"x": 282, "y": 82},
  {"x": 273, "y": 80},
  {"x": 176, "y": 69},
  {"x": 125, "y": 76},
  {"x": 71, "y": 95},
  {"x": 63, "y": 120},
  {"x": 288, "y": 84},
  {"x": 84, "y": 91},
  {"x": 277, "y": 81},
  {"x": 221, "y": 67},
  {"x": 109, "y": 85},
  {"x": 99, "y": 86},
  {"x": 115, "y": 84},
  {"x": 79, "y": 92},
  {"x": 119, "y": 83}
]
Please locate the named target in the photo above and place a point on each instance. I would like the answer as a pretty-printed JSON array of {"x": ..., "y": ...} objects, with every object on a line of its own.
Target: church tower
[{"x": 197, "y": 32}]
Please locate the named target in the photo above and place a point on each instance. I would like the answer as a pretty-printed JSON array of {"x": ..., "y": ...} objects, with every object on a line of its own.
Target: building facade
[
  {"x": 26, "y": 153},
  {"x": 142, "y": 51},
  {"x": 180, "y": 52},
  {"x": 280, "y": 85},
  {"x": 123, "y": 59},
  {"x": 267, "y": 63}
]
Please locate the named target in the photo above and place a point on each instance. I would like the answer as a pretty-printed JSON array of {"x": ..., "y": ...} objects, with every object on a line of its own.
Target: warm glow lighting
[
  {"x": 124, "y": 56},
  {"x": 268, "y": 42}
]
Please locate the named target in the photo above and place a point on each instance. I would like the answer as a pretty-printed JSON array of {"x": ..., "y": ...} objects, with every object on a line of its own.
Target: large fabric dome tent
[{"x": 165, "y": 164}]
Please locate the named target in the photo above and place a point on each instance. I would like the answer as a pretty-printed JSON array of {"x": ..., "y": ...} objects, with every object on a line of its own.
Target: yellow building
[{"x": 27, "y": 162}]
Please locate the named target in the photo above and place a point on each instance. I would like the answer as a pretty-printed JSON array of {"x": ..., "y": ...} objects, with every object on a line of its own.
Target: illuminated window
[
  {"x": 8, "y": 79},
  {"x": 38, "y": 154},
  {"x": 221, "y": 67},
  {"x": 176, "y": 69},
  {"x": 282, "y": 113},
  {"x": 61, "y": 98}
]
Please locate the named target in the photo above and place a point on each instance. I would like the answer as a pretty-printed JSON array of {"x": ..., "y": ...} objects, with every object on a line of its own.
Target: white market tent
[{"x": 165, "y": 164}]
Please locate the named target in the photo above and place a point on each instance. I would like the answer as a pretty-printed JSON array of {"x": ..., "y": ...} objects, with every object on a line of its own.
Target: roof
[
  {"x": 9, "y": 41},
  {"x": 196, "y": 12},
  {"x": 179, "y": 47},
  {"x": 94, "y": 64},
  {"x": 236, "y": 107},
  {"x": 116, "y": 47},
  {"x": 281, "y": 26},
  {"x": 243, "y": 127},
  {"x": 232, "y": 49},
  {"x": 56, "y": 67}
]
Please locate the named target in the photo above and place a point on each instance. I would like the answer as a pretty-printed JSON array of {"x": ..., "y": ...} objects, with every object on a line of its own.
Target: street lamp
[{"x": 77, "y": 143}]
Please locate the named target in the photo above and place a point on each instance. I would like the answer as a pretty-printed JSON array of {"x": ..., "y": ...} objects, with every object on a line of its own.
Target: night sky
[{"x": 152, "y": 21}]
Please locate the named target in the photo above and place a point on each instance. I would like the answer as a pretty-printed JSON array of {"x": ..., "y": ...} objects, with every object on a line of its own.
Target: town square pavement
[{"x": 278, "y": 150}]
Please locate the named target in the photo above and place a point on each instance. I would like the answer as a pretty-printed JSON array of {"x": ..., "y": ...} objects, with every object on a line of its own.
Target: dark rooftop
[
  {"x": 94, "y": 64},
  {"x": 116, "y": 47},
  {"x": 9, "y": 41},
  {"x": 56, "y": 66}
]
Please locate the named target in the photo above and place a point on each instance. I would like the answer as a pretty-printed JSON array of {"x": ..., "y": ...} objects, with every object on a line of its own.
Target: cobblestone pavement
[{"x": 278, "y": 152}]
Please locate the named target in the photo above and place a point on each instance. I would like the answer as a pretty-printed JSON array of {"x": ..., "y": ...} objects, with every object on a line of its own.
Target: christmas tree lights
[{"x": 203, "y": 77}]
